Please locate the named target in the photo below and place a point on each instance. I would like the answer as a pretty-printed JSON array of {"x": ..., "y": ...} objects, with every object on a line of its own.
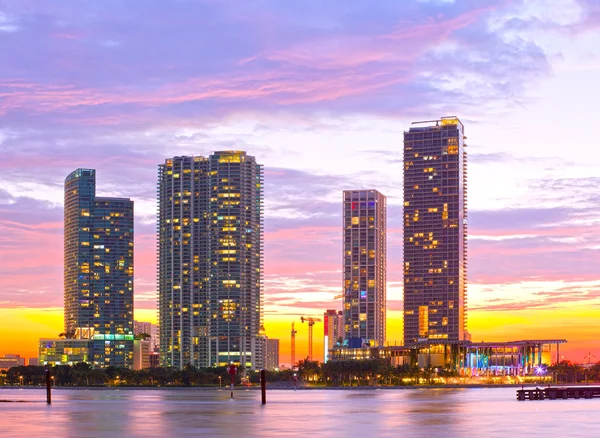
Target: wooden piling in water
[
  {"x": 48, "y": 387},
  {"x": 263, "y": 386}
]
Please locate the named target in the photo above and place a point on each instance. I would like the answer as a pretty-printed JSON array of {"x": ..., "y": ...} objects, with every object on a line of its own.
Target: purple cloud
[{"x": 119, "y": 86}]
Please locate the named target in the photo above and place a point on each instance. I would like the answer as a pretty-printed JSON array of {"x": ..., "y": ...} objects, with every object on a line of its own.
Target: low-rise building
[
  {"x": 272, "y": 359},
  {"x": 65, "y": 351},
  {"x": 468, "y": 358},
  {"x": 141, "y": 327},
  {"x": 141, "y": 353},
  {"x": 11, "y": 360},
  {"x": 333, "y": 330}
]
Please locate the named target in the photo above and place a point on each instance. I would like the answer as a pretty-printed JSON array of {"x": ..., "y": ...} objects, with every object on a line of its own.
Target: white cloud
[{"x": 6, "y": 24}]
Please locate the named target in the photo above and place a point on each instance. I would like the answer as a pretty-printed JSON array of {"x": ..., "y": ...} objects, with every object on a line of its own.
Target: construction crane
[
  {"x": 311, "y": 321},
  {"x": 589, "y": 358},
  {"x": 293, "y": 347}
]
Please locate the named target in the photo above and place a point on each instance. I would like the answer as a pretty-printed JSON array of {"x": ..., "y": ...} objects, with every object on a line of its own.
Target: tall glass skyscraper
[
  {"x": 365, "y": 266},
  {"x": 98, "y": 270},
  {"x": 210, "y": 256},
  {"x": 435, "y": 232}
]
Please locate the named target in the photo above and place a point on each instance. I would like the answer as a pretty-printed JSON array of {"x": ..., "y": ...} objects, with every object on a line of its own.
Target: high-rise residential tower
[
  {"x": 210, "y": 256},
  {"x": 365, "y": 266},
  {"x": 435, "y": 232},
  {"x": 333, "y": 330},
  {"x": 98, "y": 270}
]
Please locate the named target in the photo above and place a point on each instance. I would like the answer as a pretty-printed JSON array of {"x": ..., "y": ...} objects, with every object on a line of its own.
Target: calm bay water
[{"x": 436, "y": 413}]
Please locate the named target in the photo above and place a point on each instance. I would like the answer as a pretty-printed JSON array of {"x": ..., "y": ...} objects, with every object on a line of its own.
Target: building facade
[
  {"x": 515, "y": 358},
  {"x": 210, "y": 256},
  {"x": 65, "y": 351},
  {"x": 98, "y": 270},
  {"x": 272, "y": 357},
  {"x": 140, "y": 327},
  {"x": 141, "y": 354},
  {"x": 333, "y": 331},
  {"x": 11, "y": 360},
  {"x": 435, "y": 232},
  {"x": 364, "y": 266}
]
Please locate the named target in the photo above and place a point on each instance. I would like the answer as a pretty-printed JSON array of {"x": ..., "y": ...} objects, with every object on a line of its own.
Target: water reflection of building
[{"x": 498, "y": 358}]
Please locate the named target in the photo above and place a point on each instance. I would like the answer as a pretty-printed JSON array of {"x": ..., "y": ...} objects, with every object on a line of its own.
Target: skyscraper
[
  {"x": 98, "y": 270},
  {"x": 210, "y": 260},
  {"x": 333, "y": 330},
  {"x": 364, "y": 265},
  {"x": 435, "y": 231}
]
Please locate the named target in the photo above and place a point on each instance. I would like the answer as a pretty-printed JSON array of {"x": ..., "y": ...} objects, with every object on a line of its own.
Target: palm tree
[{"x": 309, "y": 370}]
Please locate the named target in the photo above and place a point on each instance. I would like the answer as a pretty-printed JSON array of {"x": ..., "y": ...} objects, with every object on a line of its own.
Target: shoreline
[{"x": 306, "y": 388}]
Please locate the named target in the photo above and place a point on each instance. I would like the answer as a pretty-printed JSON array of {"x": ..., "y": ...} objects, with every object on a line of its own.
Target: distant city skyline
[{"x": 322, "y": 96}]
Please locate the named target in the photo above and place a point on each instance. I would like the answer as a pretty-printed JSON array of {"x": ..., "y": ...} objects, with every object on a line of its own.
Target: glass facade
[
  {"x": 364, "y": 266},
  {"x": 210, "y": 259},
  {"x": 435, "y": 232},
  {"x": 65, "y": 351},
  {"x": 98, "y": 270}
]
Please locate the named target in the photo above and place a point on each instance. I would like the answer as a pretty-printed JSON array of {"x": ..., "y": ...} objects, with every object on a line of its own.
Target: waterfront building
[
  {"x": 435, "y": 232},
  {"x": 333, "y": 329},
  {"x": 141, "y": 354},
  {"x": 140, "y": 327},
  {"x": 33, "y": 361},
  {"x": 11, "y": 360},
  {"x": 66, "y": 351},
  {"x": 210, "y": 257},
  {"x": 469, "y": 359},
  {"x": 364, "y": 279},
  {"x": 272, "y": 358},
  {"x": 98, "y": 270}
]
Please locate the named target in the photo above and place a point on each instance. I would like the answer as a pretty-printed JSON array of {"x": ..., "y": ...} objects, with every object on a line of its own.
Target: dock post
[
  {"x": 48, "y": 387},
  {"x": 263, "y": 386}
]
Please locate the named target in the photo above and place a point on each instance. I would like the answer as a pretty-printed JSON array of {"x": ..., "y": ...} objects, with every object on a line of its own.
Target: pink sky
[{"x": 320, "y": 93}]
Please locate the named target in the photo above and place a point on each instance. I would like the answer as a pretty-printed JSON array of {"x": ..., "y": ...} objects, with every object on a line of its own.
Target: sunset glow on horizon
[{"x": 320, "y": 95}]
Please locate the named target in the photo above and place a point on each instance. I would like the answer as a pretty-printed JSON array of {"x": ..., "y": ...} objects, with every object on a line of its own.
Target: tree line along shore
[{"x": 348, "y": 373}]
